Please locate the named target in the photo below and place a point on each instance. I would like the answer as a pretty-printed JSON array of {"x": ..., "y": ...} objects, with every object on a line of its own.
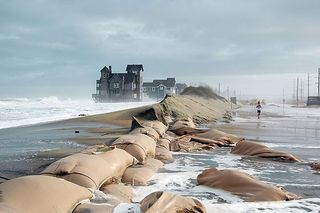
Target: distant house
[
  {"x": 158, "y": 89},
  {"x": 118, "y": 87},
  {"x": 180, "y": 87}
]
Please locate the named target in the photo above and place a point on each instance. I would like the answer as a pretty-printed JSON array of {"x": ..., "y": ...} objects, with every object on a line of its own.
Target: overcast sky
[{"x": 58, "y": 47}]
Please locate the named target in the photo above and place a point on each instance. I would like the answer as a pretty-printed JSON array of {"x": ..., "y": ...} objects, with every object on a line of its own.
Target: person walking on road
[{"x": 258, "y": 107}]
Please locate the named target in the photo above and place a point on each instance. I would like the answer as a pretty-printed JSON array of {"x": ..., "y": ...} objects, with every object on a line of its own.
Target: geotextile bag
[
  {"x": 39, "y": 193},
  {"x": 156, "y": 125},
  {"x": 168, "y": 202},
  {"x": 121, "y": 193},
  {"x": 91, "y": 170},
  {"x": 139, "y": 146},
  {"x": 139, "y": 175},
  {"x": 254, "y": 149},
  {"x": 243, "y": 185},
  {"x": 163, "y": 154},
  {"x": 146, "y": 131}
]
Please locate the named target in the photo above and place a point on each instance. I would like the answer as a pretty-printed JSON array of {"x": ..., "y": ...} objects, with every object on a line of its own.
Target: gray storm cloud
[{"x": 57, "y": 47}]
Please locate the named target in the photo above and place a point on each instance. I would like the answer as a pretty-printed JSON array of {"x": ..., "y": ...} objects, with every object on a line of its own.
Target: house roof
[
  {"x": 134, "y": 67},
  {"x": 104, "y": 69},
  {"x": 181, "y": 85},
  {"x": 148, "y": 84},
  {"x": 169, "y": 82}
]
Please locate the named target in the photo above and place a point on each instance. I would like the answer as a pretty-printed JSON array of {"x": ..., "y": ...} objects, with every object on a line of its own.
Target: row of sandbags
[
  {"x": 238, "y": 183},
  {"x": 190, "y": 138},
  {"x": 94, "y": 169},
  {"x": 41, "y": 193},
  {"x": 67, "y": 182}
]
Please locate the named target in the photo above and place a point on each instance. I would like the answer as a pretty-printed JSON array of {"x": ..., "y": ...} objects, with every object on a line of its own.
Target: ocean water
[
  {"x": 294, "y": 130},
  {"x": 21, "y": 139},
  {"x": 25, "y": 111}
]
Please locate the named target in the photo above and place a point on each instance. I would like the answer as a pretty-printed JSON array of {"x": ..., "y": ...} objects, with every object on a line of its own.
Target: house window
[
  {"x": 161, "y": 88},
  {"x": 144, "y": 89},
  {"x": 134, "y": 86},
  {"x": 153, "y": 89},
  {"x": 116, "y": 85},
  {"x": 104, "y": 75}
]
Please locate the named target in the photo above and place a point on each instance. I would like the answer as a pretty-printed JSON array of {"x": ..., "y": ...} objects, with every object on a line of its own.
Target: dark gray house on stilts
[{"x": 120, "y": 87}]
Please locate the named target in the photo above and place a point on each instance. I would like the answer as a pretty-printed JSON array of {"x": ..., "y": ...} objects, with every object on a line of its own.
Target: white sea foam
[
  {"x": 304, "y": 205},
  {"x": 23, "y": 111}
]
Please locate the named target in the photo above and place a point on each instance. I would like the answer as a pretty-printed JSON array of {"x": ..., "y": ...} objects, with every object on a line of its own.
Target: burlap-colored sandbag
[
  {"x": 139, "y": 175},
  {"x": 39, "y": 193},
  {"x": 168, "y": 202},
  {"x": 185, "y": 131},
  {"x": 139, "y": 146},
  {"x": 168, "y": 119},
  {"x": 120, "y": 192},
  {"x": 91, "y": 171},
  {"x": 243, "y": 185},
  {"x": 185, "y": 144},
  {"x": 156, "y": 125},
  {"x": 146, "y": 131},
  {"x": 254, "y": 149},
  {"x": 169, "y": 137},
  {"x": 114, "y": 194},
  {"x": 94, "y": 208},
  {"x": 162, "y": 142},
  {"x": 163, "y": 154},
  {"x": 218, "y": 135}
]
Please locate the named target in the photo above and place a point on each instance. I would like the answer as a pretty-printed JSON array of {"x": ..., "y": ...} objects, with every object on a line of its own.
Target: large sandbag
[
  {"x": 40, "y": 193},
  {"x": 185, "y": 144},
  {"x": 169, "y": 137},
  {"x": 168, "y": 202},
  {"x": 162, "y": 142},
  {"x": 94, "y": 208},
  {"x": 184, "y": 126},
  {"x": 120, "y": 192},
  {"x": 242, "y": 184},
  {"x": 91, "y": 171},
  {"x": 146, "y": 131},
  {"x": 138, "y": 145},
  {"x": 163, "y": 154},
  {"x": 105, "y": 200},
  {"x": 253, "y": 149},
  {"x": 218, "y": 135},
  {"x": 156, "y": 125},
  {"x": 139, "y": 175}
]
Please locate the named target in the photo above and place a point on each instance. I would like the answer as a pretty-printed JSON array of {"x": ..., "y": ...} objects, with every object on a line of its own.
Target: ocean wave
[{"x": 28, "y": 111}]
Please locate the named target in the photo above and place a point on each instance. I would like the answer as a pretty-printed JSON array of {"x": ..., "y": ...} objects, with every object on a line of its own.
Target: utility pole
[
  {"x": 301, "y": 91},
  {"x": 318, "y": 81},
  {"x": 228, "y": 93},
  {"x": 297, "y": 91},
  {"x": 294, "y": 89},
  {"x": 283, "y": 101},
  {"x": 308, "y": 85}
]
